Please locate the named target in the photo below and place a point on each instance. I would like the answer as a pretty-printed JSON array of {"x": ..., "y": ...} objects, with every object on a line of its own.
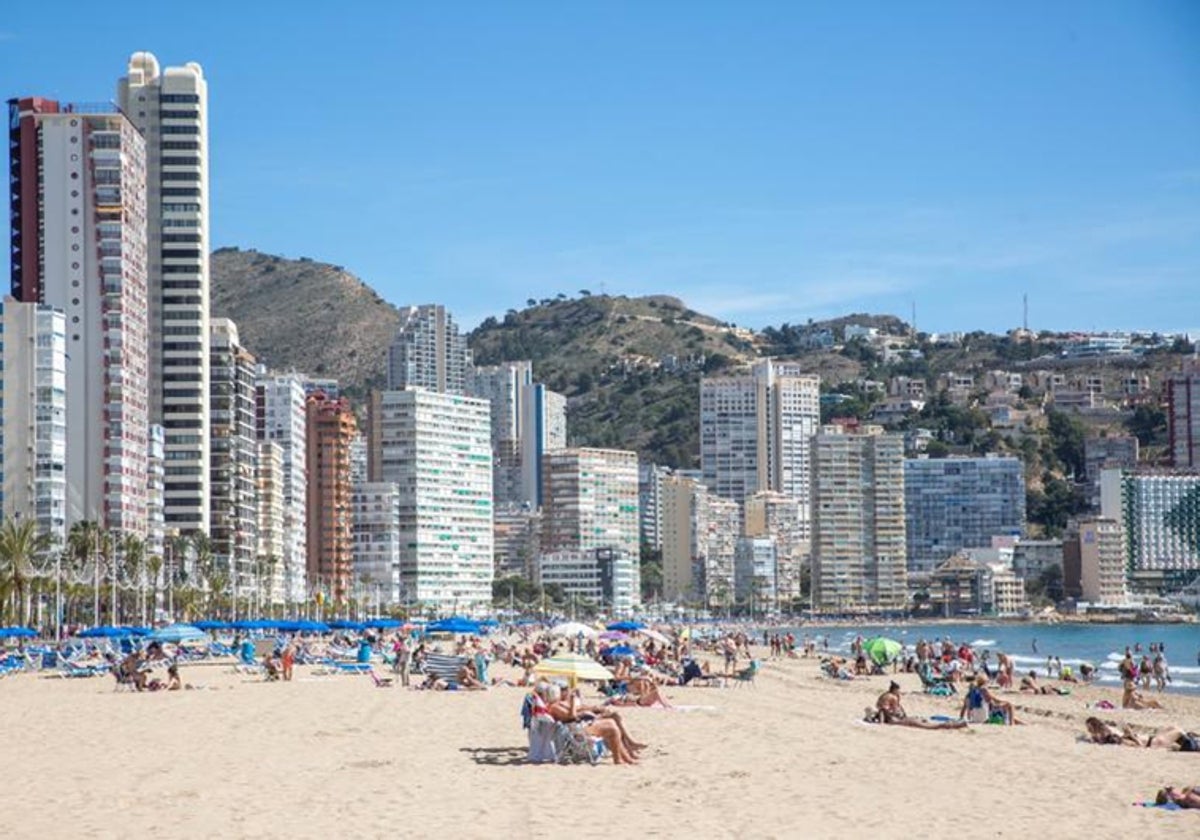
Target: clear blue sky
[{"x": 765, "y": 161}]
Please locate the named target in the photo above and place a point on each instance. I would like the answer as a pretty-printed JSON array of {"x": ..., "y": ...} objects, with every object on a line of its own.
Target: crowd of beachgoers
[{"x": 623, "y": 664}]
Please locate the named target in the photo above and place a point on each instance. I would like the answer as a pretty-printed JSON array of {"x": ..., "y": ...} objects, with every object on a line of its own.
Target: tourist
[
  {"x": 1132, "y": 698},
  {"x": 889, "y": 710}
]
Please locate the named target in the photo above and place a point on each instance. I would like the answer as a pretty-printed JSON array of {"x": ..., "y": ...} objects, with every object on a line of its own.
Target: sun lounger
[
  {"x": 443, "y": 666},
  {"x": 573, "y": 745},
  {"x": 380, "y": 682},
  {"x": 746, "y": 675}
]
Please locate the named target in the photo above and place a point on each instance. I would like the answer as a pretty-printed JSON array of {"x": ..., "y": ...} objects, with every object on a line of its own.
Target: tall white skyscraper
[
  {"x": 282, "y": 418},
  {"x": 78, "y": 244},
  {"x": 437, "y": 449},
  {"x": 428, "y": 352},
  {"x": 756, "y": 433},
  {"x": 33, "y": 416},
  {"x": 169, "y": 106}
]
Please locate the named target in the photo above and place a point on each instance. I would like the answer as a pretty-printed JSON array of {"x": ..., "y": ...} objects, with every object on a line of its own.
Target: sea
[{"x": 1101, "y": 645}]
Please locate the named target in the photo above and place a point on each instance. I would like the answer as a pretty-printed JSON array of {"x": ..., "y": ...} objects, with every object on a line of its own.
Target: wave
[{"x": 982, "y": 643}]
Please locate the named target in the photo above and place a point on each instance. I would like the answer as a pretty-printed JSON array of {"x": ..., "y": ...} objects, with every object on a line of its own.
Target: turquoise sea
[{"x": 1102, "y": 645}]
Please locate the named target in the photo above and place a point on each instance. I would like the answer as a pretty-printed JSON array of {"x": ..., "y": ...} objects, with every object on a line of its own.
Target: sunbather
[
  {"x": 1172, "y": 738},
  {"x": 1133, "y": 699},
  {"x": 980, "y": 699},
  {"x": 889, "y": 710},
  {"x": 1029, "y": 683},
  {"x": 604, "y": 728},
  {"x": 1188, "y": 797}
]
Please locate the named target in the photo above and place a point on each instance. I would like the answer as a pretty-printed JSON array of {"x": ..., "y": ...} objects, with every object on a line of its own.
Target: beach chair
[
  {"x": 443, "y": 666},
  {"x": 937, "y": 686},
  {"x": 380, "y": 682},
  {"x": 746, "y": 675},
  {"x": 572, "y": 745}
]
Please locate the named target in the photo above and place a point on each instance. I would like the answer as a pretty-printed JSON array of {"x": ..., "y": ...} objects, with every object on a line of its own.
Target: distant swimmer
[{"x": 1035, "y": 650}]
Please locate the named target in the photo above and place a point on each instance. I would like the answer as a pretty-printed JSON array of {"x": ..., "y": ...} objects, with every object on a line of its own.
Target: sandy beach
[{"x": 788, "y": 757}]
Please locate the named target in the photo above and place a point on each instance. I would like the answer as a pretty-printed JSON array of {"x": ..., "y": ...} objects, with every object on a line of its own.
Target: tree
[
  {"x": 83, "y": 543},
  {"x": 133, "y": 550},
  {"x": 20, "y": 543},
  {"x": 1148, "y": 424},
  {"x": 651, "y": 572},
  {"x": 1066, "y": 440}
]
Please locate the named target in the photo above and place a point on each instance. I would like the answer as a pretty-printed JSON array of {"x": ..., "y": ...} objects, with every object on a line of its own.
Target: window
[
  {"x": 181, "y": 144},
  {"x": 186, "y": 98},
  {"x": 180, "y": 129},
  {"x": 179, "y": 115},
  {"x": 181, "y": 192},
  {"x": 181, "y": 253},
  {"x": 176, "y": 176}
]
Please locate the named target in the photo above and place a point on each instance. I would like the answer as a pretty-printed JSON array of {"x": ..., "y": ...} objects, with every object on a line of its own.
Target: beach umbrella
[
  {"x": 105, "y": 632},
  {"x": 572, "y": 666},
  {"x": 455, "y": 624},
  {"x": 138, "y": 631},
  {"x": 881, "y": 650},
  {"x": 614, "y": 636},
  {"x": 623, "y": 650},
  {"x": 628, "y": 626},
  {"x": 212, "y": 624},
  {"x": 383, "y": 623},
  {"x": 572, "y": 628},
  {"x": 176, "y": 633},
  {"x": 489, "y": 622},
  {"x": 345, "y": 624},
  {"x": 655, "y": 635},
  {"x": 17, "y": 633}
]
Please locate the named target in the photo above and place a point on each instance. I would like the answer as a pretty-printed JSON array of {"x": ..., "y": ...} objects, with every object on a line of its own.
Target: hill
[
  {"x": 630, "y": 367},
  {"x": 306, "y": 316}
]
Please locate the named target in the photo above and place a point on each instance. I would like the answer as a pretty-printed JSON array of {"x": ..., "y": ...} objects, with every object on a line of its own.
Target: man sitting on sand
[
  {"x": 1133, "y": 699},
  {"x": 604, "y": 728},
  {"x": 888, "y": 709}
]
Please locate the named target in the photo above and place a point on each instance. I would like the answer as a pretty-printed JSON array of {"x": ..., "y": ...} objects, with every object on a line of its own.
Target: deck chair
[
  {"x": 938, "y": 686},
  {"x": 380, "y": 682},
  {"x": 443, "y": 666},
  {"x": 572, "y": 745},
  {"x": 746, "y": 675}
]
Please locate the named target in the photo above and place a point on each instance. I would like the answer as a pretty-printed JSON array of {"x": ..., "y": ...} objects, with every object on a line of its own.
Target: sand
[{"x": 335, "y": 756}]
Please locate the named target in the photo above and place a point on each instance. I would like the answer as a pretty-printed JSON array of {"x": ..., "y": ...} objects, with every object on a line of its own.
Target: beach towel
[{"x": 1166, "y": 806}]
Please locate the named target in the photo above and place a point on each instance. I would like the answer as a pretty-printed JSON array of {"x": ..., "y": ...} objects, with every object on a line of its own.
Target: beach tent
[
  {"x": 572, "y": 666},
  {"x": 455, "y": 624},
  {"x": 881, "y": 650},
  {"x": 572, "y": 628},
  {"x": 176, "y": 633},
  {"x": 17, "y": 633},
  {"x": 627, "y": 626}
]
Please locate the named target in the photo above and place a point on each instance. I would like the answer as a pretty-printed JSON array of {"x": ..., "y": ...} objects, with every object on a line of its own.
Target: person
[
  {"x": 173, "y": 681},
  {"x": 1160, "y": 672},
  {"x": 1145, "y": 671},
  {"x": 1132, "y": 698},
  {"x": 606, "y": 729},
  {"x": 288, "y": 660},
  {"x": 273, "y": 666},
  {"x": 540, "y": 724},
  {"x": 979, "y": 704},
  {"x": 402, "y": 664},
  {"x": 1171, "y": 738},
  {"x": 1188, "y": 797},
  {"x": 1029, "y": 683},
  {"x": 889, "y": 710}
]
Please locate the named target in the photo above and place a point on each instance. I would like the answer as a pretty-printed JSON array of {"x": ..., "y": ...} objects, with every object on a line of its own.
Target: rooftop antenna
[
  {"x": 1025, "y": 312},
  {"x": 914, "y": 318}
]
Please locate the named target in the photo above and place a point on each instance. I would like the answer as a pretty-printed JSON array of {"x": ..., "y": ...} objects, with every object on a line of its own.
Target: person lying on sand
[
  {"x": 889, "y": 710},
  {"x": 640, "y": 691},
  {"x": 1029, "y": 683},
  {"x": 1172, "y": 738},
  {"x": 1133, "y": 699},
  {"x": 1188, "y": 797}
]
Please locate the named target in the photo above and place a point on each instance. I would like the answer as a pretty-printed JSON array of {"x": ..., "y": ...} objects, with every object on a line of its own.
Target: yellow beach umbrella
[{"x": 574, "y": 667}]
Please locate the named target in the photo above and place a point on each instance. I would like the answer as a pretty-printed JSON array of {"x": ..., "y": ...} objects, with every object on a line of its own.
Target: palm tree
[
  {"x": 20, "y": 543},
  {"x": 133, "y": 549},
  {"x": 202, "y": 548},
  {"x": 83, "y": 543},
  {"x": 154, "y": 568}
]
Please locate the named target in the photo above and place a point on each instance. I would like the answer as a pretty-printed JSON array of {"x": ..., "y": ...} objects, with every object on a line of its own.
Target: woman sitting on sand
[
  {"x": 889, "y": 710},
  {"x": 981, "y": 704},
  {"x": 1132, "y": 698},
  {"x": 1171, "y": 738}
]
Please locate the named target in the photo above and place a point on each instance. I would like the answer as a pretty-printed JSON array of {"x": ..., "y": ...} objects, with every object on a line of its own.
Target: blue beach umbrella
[
  {"x": 623, "y": 650},
  {"x": 346, "y": 624},
  {"x": 105, "y": 632},
  {"x": 455, "y": 624},
  {"x": 626, "y": 626},
  {"x": 176, "y": 633},
  {"x": 384, "y": 623},
  {"x": 17, "y": 633},
  {"x": 212, "y": 624}
]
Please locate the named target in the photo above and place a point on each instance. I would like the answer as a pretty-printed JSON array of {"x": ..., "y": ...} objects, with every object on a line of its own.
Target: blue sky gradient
[{"x": 767, "y": 162}]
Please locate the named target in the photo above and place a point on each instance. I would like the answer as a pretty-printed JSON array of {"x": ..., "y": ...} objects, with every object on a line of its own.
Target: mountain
[{"x": 307, "y": 316}]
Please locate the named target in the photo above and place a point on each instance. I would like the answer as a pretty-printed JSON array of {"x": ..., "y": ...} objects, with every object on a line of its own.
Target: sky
[{"x": 767, "y": 162}]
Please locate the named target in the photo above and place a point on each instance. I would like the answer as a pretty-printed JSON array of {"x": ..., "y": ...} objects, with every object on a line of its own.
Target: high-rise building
[
  {"x": 169, "y": 107},
  {"x": 1110, "y": 452},
  {"x": 437, "y": 448},
  {"x": 957, "y": 503},
  {"x": 858, "y": 543},
  {"x": 774, "y": 515},
  {"x": 650, "y": 514},
  {"x": 517, "y": 533},
  {"x": 528, "y": 420},
  {"x": 755, "y": 570},
  {"x": 330, "y": 429},
  {"x": 233, "y": 476},
  {"x": 282, "y": 419},
  {"x": 756, "y": 433},
  {"x": 1183, "y": 416},
  {"x": 428, "y": 352},
  {"x": 1102, "y": 562},
  {"x": 680, "y": 506},
  {"x": 272, "y": 528},
  {"x": 1159, "y": 514},
  {"x": 377, "y": 552},
  {"x": 77, "y": 185},
  {"x": 33, "y": 416},
  {"x": 156, "y": 472},
  {"x": 719, "y": 522},
  {"x": 590, "y": 500},
  {"x": 605, "y": 577}
]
